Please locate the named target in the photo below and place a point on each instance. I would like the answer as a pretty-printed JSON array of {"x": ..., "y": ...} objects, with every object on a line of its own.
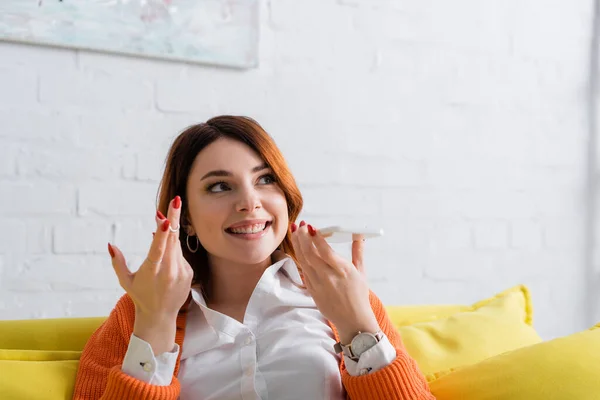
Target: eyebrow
[{"x": 222, "y": 172}]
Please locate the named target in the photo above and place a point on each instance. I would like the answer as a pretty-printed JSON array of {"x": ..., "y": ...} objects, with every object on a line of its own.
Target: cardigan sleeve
[
  {"x": 400, "y": 380},
  {"x": 99, "y": 375}
]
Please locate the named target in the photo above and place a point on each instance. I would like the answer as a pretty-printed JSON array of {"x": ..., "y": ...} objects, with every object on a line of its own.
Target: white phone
[{"x": 345, "y": 234}]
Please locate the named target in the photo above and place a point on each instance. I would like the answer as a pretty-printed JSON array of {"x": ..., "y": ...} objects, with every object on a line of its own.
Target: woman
[{"x": 267, "y": 309}]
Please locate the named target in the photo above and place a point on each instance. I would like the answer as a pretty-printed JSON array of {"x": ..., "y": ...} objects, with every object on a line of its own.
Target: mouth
[{"x": 250, "y": 231}]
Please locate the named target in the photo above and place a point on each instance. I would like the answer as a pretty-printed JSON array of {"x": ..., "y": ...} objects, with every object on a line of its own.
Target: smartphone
[{"x": 345, "y": 234}]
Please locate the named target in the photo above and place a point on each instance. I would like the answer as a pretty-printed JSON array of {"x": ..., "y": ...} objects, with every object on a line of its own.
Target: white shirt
[{"x": 283, "y": 350}]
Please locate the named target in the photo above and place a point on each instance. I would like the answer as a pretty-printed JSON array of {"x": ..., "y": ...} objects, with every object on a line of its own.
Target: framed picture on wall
[{"x": 219, "y": 32}]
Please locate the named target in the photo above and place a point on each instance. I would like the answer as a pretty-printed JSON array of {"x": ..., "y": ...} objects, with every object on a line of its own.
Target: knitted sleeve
[
  {"x": 99, "y": 375},
  {"x": 401, "y": 380}
]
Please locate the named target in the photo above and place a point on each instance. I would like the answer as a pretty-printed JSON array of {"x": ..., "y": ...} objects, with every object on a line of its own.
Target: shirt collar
[
  {"x": 289, "y": 267},
  {"x": 281, "y": 261}
]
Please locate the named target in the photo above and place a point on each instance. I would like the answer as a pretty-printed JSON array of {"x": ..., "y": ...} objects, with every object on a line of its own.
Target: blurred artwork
[{"x": 221, "y": 32}]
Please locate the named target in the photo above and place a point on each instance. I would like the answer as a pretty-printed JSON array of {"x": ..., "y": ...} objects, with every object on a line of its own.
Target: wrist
[
  {"x": 347, "y": 333},
  {"x": 158, "y": 332}
]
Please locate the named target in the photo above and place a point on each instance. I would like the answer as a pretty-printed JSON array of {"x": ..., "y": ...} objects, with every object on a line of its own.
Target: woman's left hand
[{"x": 338, "y": 286}]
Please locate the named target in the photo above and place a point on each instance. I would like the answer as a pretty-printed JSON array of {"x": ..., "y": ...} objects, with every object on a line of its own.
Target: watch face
[{"x": 362, "y": 343}]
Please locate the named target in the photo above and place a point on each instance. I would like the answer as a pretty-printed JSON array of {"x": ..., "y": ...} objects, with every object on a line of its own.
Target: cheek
[
  {"x": 207, "y": 217},
  {"x": 279, "y": 209}
]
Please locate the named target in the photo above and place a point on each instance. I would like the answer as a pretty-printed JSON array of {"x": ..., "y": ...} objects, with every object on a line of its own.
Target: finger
[
  {"x": 173, "y": 215},
  {"x": 159, "y": 242},
  {"x": 358, "y": 247},
  {"x": 173, "y": 255},
  {"x": 325, "y": 252},
  {"x": 297, "y": 249},
  {"x": 120, "y": 266},
  {"x": 313, "y": 260}
]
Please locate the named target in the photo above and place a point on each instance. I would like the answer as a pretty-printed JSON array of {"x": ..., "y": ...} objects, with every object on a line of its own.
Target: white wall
[{"x": 459, "y": 127}]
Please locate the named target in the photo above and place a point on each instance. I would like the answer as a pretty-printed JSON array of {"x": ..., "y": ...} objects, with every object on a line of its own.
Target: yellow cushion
[
  {"x": 566, "y": 368},
  {"x": 48, "y": 334},
  {"x": 37, "y": 380},
  {"x": 408, "y": 315},
  {"x": 38, "y": 355},
  {"x": 488, "y": 328}
]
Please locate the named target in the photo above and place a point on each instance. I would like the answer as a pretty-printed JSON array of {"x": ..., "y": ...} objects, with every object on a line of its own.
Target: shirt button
[
  {"x": 147, "y": 367},
  {"x": 248, "y": 371},
  {"x": 248, "y": 341}
]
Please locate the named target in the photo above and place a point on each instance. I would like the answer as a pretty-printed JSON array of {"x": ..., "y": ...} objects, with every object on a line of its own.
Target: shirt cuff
[
  {"x": 377, "y": 357},
  {"x": 140, "y": 363}
]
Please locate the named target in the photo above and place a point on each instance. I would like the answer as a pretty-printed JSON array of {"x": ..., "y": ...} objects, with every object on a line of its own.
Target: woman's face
[{"x": 237, "y": 210}]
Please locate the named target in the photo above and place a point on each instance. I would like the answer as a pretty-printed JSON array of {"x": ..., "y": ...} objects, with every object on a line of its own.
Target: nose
[{"x": 249, "y": 200}]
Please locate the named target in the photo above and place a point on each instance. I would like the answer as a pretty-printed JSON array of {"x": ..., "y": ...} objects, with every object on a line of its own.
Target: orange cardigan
[{"x": 100, "y": 376}]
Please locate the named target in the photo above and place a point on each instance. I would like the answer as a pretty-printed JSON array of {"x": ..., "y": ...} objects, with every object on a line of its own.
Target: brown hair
[{"x": 179, "y": 162}]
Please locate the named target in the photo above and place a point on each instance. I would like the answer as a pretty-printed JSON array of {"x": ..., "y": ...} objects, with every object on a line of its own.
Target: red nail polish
[
  {"x": 294, "y": 227},
  {"x": 159, "y": 214},
  {"x": 177, "y": 202},
  {"x": 312, "y": 231},
  {"x": 165, "y": 225},
  {"x": 302, "y": 223},
  {"x": 111, "y": 251}
]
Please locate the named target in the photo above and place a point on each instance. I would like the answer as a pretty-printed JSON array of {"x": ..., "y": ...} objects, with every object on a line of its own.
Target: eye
[
  {"x": 217, "y": 187},
  {"x": 266, "y": 179}
]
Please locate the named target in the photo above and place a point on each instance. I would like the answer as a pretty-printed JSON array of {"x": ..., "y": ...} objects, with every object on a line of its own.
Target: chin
[
  {"x": 249, "y": 254},
  {"x": 250, "y": 258}
]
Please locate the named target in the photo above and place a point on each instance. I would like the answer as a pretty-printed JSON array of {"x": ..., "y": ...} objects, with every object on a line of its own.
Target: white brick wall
[{"x": 459, "y": 127}]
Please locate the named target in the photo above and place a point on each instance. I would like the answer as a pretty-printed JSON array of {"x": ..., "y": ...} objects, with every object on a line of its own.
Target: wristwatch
[{"x": 362, "y": 342}]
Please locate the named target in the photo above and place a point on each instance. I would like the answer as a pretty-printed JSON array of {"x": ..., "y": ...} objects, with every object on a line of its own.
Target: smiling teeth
[{"x": 250, "y": 229}]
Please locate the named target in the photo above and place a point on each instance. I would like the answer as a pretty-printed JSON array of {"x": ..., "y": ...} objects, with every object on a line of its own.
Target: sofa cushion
[
  {"x": 38, "y": 355},
  {"x": 559, "y": 369},
  {"x": 48, "y": 334},
  {"x": 485, "y": 329},
  {"x": 37, "y": 380},
  {"x": 408, "y": 315}
]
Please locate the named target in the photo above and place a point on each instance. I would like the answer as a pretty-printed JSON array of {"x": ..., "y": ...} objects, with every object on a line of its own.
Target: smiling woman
[{"x": 223, "y": 272}]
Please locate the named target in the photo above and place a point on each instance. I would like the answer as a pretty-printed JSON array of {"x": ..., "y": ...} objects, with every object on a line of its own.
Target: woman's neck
[{"x": 232, "y": 284}]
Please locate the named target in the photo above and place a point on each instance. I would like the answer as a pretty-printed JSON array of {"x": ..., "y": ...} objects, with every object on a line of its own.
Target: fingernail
[
  {"x": 312, "y": 231},
  {"x": 302, "y": 223},
  {"x": 111, "y": 251},
  {"x": 165, "y": 225},
  {"x": 159, "y": 214},
  {"x": 153, "y": 234},
  {"x": 177, "y": 202},
  {"x": 294, "y": 227}
]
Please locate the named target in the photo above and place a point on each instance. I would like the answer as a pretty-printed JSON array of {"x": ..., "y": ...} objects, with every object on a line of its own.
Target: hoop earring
[{"x": 187, "y": 241}]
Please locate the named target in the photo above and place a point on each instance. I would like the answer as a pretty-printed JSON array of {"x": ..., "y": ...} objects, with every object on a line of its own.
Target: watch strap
[{"x": 346, "y": 349}]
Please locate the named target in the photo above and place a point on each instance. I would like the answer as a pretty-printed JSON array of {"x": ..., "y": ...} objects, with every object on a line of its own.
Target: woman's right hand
[{"x": 161, "y": 285}]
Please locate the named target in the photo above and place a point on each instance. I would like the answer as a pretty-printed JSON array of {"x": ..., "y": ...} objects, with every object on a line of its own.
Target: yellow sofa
[{"x": 39, "y": 358}]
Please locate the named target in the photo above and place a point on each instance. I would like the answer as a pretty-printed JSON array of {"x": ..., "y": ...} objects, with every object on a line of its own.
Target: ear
[
  {"x": 186, "y": 225},
  {"x": 189, "y": 230}
]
